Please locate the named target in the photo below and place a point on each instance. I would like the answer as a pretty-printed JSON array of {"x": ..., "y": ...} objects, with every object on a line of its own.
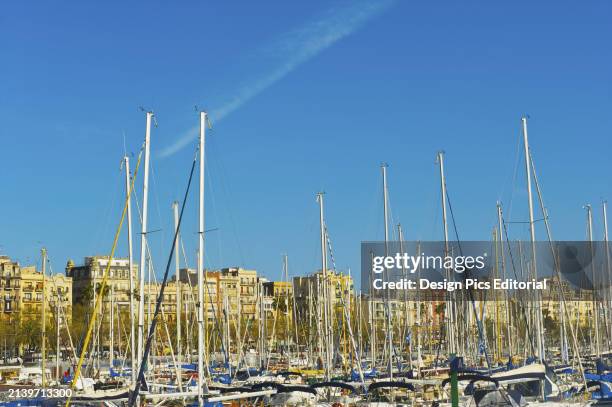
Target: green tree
[{"x": 29, "y": 334}]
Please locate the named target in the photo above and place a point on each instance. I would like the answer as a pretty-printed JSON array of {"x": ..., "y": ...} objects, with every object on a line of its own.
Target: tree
[
  {"x": 29, "y": 334},
  {"x": 9, "y": 337}
]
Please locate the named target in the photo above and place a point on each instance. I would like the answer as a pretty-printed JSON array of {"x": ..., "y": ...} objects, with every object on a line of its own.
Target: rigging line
[
  {"x": 229, "y": 198},
  {"x": 190, "y": 316},
  {"x": 450, "y": 207},
  {"x": 375, "y": 210},
  {"x": 391, "y": 221},
  {"x": 346, "y": 314},
  {"x": 183, "y": 252},
  {"x": 510, "y": 175},
  {"x": 216, "y": 325},
  {"x": 215, "y": 318},
  {"x": 143, "y": 363},
  {"x": 213, "y": 200},
  {"x": 104, "y": 280},
  {"x": 481, "y": 335},
  {"x": 164, "y": 319},
  {"x": 525, "y": 319},
  {"x": 515, "y": 175},
  {"x": 100, "y": 233},
  {"x": 387, "y": 208},
  {"x": 159, "y": 216},
  {"x": 149, "y": 256},
  {"x": 390, "y": 213},
  {"x": 329, "y": 247},
  {"x": 557, "y": 266},
  {"x": 427, "y": 232}
]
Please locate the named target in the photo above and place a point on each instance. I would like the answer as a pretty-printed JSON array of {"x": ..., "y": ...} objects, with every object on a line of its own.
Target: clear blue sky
[{"x": 304, "y": 96}]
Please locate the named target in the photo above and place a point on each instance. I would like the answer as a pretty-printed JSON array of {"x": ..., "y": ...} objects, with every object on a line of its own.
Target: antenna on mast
[
  {"x": 142, "y": 109},
  {"x": 208, "y": 122}
]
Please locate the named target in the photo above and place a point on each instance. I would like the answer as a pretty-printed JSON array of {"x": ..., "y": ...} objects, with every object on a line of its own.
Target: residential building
[
  {"x": 87, "y": 280},
  {"x": 23, "y": 289}
]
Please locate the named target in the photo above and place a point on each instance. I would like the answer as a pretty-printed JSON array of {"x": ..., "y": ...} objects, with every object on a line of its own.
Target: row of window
[{"x": 88, "y": 273}]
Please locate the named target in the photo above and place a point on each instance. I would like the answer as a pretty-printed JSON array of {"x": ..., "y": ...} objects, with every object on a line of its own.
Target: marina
[
  {"x": 332, "y": 203},
  {"x": 444, "y": 346}
]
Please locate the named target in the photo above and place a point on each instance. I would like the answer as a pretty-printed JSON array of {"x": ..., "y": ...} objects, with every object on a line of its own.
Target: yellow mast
[{"x": 98, "y": 303}]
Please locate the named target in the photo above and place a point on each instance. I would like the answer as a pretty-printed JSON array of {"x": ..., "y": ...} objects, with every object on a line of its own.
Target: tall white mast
[
  {"x": 594, "y": 282},
  {"x": 178, "y": 291},
  {"x": 388, "y": 305},
  {"x": 44, "y": 316},
  {"x": 126, "y": 161},
  {"x": 450, "y": 304},
  {"x": 143, "y": 239},
  {"x": 383, "y": 167},
  {"x": 262, "y": 326},
  {"x": 201, "y": 279},
  {"x": 540, "y": 344},
  {"x": 372, "y": 311},
  {"x": 326, "y": 299},
  {"x": 57, "y": 336},
  {"x": 418, "y": 319},
  {"x": 287, "y": 325}
]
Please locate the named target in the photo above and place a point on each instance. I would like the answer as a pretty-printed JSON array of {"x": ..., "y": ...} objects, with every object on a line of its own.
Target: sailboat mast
[
  {"x": 57, "y": 336},
  {"x": 262, "y": 327},
  {"x": 407, "y": 325},
  {"x": 295, "y": 319},
  {"x": 44, "y": 316},
  {"x": 387, "y": 297},
  {"x": 178, "y": 290},
  {"x": 607, "y": 249},
  {"x": 201, "y": 279},
  {"x": 594, "y": 282},
  {"x": 538, "y": 322},
  {"x": 500, "y": 227},
  {"x": 385, "y": 206},
  {"x": 326, "y": 316},
  {"x": 126, "y": 162},
  {"x": 287, "y": 314},
  {"x": 449, "y": 305},
  {"x": 143, "y": 239},
  {"x": 418, "y": 320},
  {"x": 372, "y": 310},
  {"x": 111, "y": 322}
]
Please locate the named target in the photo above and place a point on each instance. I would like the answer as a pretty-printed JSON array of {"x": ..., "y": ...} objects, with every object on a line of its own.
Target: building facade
[
  {"x": 23, "y": 290},
  {"x": 87, "y": 279}
]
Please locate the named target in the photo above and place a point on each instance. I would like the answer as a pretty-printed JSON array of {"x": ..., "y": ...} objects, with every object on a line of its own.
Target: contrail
[{"x": 299, "y": 46}]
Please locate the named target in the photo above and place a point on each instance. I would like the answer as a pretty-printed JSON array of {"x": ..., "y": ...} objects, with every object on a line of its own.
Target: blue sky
[{"x": 304, "y": 97}]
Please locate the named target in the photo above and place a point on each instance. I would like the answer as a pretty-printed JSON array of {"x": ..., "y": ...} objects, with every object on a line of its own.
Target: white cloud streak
[{"x": 296, "y": 48}]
